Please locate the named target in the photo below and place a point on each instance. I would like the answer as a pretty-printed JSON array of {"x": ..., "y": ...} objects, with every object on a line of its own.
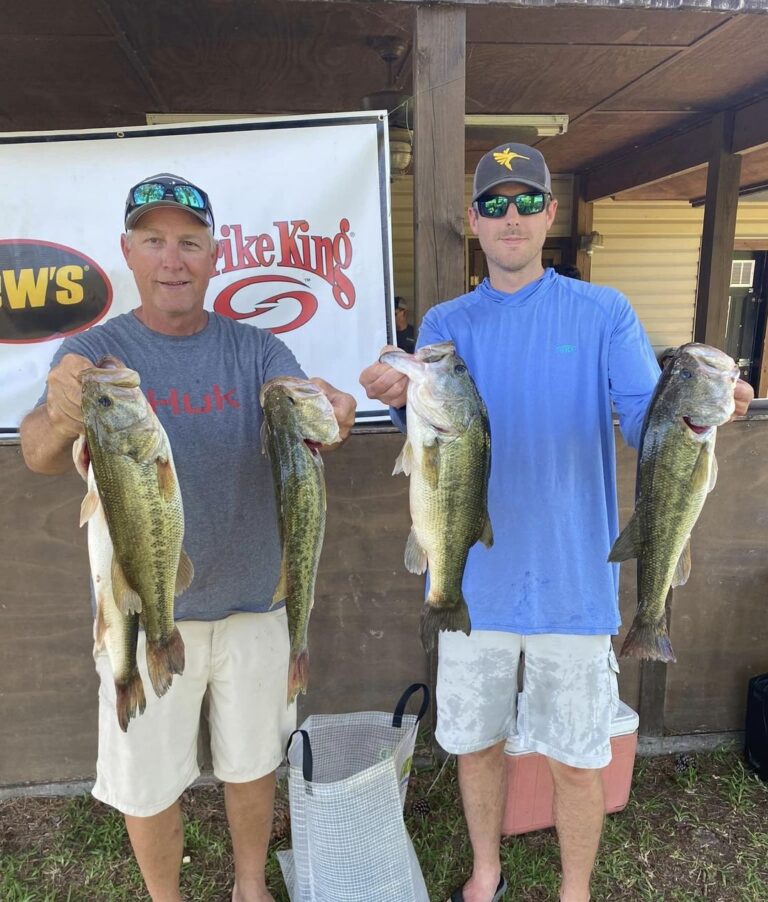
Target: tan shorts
[
  {"x": 241, "y": 662},
  {"x": 569, "y": 697}
]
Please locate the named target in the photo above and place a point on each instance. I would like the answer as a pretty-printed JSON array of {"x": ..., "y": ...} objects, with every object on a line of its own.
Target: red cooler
[{"x": 529, "y": 782}]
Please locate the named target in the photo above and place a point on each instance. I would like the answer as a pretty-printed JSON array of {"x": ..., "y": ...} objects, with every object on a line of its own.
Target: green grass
[{"x": 698, "y": 832}]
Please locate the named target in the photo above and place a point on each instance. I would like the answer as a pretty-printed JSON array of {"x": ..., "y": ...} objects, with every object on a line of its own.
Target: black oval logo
[{"x": 48, "y": 291}]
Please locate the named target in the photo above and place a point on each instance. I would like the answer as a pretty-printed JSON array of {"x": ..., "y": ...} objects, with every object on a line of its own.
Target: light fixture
[
  {"x": 588, "y": 243},
  {"x": 546, "y": 125},
  {"x": 399, "y": 106}
]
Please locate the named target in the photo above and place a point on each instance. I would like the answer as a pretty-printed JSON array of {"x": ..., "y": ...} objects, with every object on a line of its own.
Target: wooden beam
[
  {"x": 439, "y": 82},
  {"x": 717, "y": 235},
  {"x": 581, "y": 224},
  {"x": 749, "y": 129},
  {"x": 676, "y": 154},
  {"x": 135, "y": 60},
  {"x": 658, "y": 161}
]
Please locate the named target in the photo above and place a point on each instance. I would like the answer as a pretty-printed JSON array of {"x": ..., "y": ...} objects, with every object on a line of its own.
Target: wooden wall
[{"x": 364, "y": 632}]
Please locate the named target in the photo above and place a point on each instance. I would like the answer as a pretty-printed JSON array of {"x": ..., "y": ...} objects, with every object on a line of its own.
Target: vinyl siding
[{"x": 651, "y": 253}]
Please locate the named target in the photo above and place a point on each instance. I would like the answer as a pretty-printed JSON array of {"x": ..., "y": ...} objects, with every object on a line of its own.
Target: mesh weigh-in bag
[{"x": 347, "y": 780}]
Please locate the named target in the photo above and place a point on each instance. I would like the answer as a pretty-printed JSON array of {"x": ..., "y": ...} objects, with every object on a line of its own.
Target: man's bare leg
[
  {"x": 249, "y": 812},
  {"x": 158, "y": 844},
  {"x": 483, "y": 784},
  {"x": 579, "y": 812}
]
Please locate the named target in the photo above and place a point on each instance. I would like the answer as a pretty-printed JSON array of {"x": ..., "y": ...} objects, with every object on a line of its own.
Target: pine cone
[{"x": 421, "y": 808}]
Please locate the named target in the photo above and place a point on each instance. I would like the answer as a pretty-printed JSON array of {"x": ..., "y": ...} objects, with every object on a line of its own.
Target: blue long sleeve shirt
[{"x": 551, "y": 361}]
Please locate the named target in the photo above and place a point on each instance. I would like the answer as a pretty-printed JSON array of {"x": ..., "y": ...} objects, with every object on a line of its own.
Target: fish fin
[
  {"x": 89, "y": 506},
  {"x": 648, "y": 641},
  {"x": 713, "y": 474},
  {"x": 434, "y": 619},
  {"x": 486, "y": 536},
  {"x": 166, "y": 478},
  {"x": 298, "y": 674},
  {"x": 431, "y": 464},
  {"x": 702, "y": 475},
  {"x": 627, "y": 545},
  {"x": 131, "y": 700},
  {"x": 81, "y": 457},
  {"x": 185, "y": 574},
  {"x": 404, "y": 462},
  {"x": 99, "y": 628},
  {"x": 165, "y": 657},
  {"x": 127, "y": 599},
  {"x": 683, "y": 568},
  {"x": 264, "y": 436},
  {"x": 281, "y": 589},
  {"x": 415, "y": 555}
]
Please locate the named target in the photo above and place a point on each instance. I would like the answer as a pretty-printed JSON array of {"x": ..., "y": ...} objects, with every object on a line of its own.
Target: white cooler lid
[{"x": 625, "y": 721}]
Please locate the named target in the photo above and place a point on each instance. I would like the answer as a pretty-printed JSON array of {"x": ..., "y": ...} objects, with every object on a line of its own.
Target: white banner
[{"x": 302, "y": 213}]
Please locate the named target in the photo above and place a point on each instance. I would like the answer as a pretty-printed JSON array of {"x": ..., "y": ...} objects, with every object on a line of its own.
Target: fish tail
[
  {"x": 649, "y": 641},
  {"x": 434, "y": 619},
  {"x": 165, "y": 657},
  {"x": 298, "y": 674},
  {"x": 131, "y": 700}
]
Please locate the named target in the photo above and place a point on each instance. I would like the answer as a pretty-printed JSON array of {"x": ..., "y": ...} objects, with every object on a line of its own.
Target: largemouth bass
[
  {"x": 137, "y": 485},
  {"x": 113, "y": 630},
  {"x": 448, "y": 457},
  {"x": 298, "y": 418},
  {"x": 676, "y": 470}
]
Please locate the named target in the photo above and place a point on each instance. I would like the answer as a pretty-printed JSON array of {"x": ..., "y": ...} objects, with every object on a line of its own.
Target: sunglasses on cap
[
  {"x": 494, "y": 206},
  {"x": 182, "y": 193}
]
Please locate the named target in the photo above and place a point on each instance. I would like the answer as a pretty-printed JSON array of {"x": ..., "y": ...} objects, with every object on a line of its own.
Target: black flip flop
[{"x": 458, "y": 895}]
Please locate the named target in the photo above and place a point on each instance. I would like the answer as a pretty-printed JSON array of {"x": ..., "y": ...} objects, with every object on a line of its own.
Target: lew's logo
[
  {"x": 283, "y": 302},
  {"x": 48, "y": 290}
]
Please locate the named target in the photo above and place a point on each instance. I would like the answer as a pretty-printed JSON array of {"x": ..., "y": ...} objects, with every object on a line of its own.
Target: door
[{"x": 745, "y": 326}]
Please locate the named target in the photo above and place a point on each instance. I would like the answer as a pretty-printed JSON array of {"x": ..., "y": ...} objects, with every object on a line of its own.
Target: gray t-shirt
[{"x": 205, "y": 391}]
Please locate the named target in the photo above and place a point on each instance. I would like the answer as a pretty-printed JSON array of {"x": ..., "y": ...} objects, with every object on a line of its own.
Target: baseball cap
[
  {"x": 511, "y": 163},
  {"x": 167, "y": 190},
  {"x": 400, "y": 303}
]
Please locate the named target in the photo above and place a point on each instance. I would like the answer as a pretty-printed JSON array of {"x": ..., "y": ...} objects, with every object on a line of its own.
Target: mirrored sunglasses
[
  {"x": 494, "y": 206},
  {"x": 160, "y": 189},
  {"x": 151, "y": 192}
]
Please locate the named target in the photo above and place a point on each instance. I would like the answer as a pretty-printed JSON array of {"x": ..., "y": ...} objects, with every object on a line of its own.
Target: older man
[
  {"x": 551, "y": 356},
  {"x": 202, "y": 374}
]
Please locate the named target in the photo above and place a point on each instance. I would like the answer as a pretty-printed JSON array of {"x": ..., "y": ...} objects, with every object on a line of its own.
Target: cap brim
[
  {"x": 133, "y": 217},
  {"x": 503, "y": 181}
]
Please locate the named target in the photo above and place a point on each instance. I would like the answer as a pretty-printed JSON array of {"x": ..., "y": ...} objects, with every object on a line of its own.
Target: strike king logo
[
  {"x": 285, "y": 303},
  {"x": 48, "y": 290}
]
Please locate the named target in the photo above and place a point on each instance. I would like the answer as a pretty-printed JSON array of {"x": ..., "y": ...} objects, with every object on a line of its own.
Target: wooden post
[
  {"x": 717, "y": 237},
  {"x": 581, "y": 224},
  {"x": 439, "y": 85}
]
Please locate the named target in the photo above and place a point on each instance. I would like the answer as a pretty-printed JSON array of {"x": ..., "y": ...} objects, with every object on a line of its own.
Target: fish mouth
[
  {"x": 695, "y": 427},
  {"x": 408, "y": 364},
  {"x": 313, "y": 446},
  {"x": 292, "y": 385},
  {"x": 112, "y": 371}
]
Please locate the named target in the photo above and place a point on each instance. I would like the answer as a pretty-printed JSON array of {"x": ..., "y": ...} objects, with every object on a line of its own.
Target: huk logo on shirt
[
  {"x": 48, "y": 290},
  {"x": 287, "y": 299},
  {"x": 179, "y": 402}
]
